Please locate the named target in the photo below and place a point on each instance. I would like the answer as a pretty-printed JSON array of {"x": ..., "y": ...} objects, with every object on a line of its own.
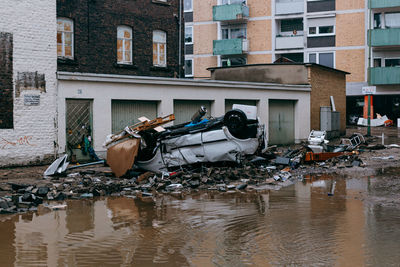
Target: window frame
[
  {"x": 189, "y": 43},
  {"x": 123, "y": 28},
  {"x": 318, "y": 34},
  {"x": 191, "y": 6},
  {"x": 192, "y": 69},
  {"x": 377, "y": 58},
  {"x": 63, "y": 56},
  {"x": 317, "y": 57},
  {"x": 220, "y": 3},
  {"x": 225, "y": 59},
  {"x": 158, "y": 64},
  {"x": 386, "y": 58},
  {"x": 233, "y": 27}
]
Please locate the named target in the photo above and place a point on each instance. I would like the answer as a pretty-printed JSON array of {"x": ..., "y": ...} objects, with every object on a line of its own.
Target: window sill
[
  {"x": 67, "y": 61},
  {"x": 159, "y": 68},
  {"x": 125, "y": 66},
  {"x": 161, "y": 3}
]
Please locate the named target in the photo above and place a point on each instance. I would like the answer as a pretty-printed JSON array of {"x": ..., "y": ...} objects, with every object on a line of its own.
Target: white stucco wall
[
  {"x": 103, "y": 88},
  {"x": 33, "y": 26}
]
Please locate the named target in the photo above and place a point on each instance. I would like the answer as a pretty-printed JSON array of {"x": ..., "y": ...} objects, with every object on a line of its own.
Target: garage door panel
[
  {"x": 281, "y": 122},
  {"x": 127, "y": 112},
  {"x": 184, "y": 109}
]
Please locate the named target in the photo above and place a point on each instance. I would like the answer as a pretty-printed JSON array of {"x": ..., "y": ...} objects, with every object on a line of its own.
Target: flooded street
[{"x": 303, "y": 224}]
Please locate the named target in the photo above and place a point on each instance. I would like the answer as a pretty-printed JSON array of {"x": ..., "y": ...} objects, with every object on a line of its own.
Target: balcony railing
[
  {"x": 385, "y": 75},
  {"x": 230, "y": 46},
  {"x": 289, "y": 42},
  {"x": 384, "y": 3},
  {"x": 385, "y": 37},
  {"x": 231, "y": 12},
  {"x": 289, "y": 7}
]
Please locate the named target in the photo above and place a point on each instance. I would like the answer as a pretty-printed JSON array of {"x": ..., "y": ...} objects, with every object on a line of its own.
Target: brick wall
[
  {"x": 325, "y": 83},
  {"x": 95, "y": 35},
  {"x": 32, "y": 110}
]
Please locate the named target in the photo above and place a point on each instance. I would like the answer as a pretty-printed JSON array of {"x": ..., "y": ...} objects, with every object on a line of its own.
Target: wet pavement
[{"x": 323, "y": 220}]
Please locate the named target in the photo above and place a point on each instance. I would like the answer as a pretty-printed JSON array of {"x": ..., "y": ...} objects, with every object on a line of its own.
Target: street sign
[{"x": 369, "y": 90}]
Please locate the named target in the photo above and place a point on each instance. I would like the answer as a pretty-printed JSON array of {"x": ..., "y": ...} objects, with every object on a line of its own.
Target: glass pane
[
  {"x": 119, "y": 45},
  {"x": 225, "y": 34},
  {"x": 127, "y": 45},
  {"x": 119, "y": 56},
  {"x": 312, "y": 30},
  {"x": 155, "y": 60},
  {"x": 377, "y": 62},
  {"x": 159, "y": 36},
  {"x": 59, "y": 38},
  {"x": 68, "y": 38},
  {"x": 188, "y": 34},
  {"x": 238, "y": 61},
  {"x": 312, "y": 58},
  {"x": 60, "y": 25},
  {"x": 127, "y": 57},
  {"x": 392, "y": 20},
  {"x": 188, "y": 67},
  {"x": 291, "y": 25},
  {"x": 238, "y": 1},
  {"x": 326, "y": 59},
  {"x": 325, "y": 29},
  {"x": 127, "y": 34},
  {"x": 188, "y": 5},
  {"x": 377, "y": 20},
  {"x": 59, "y": 50},
  {"x": 238, "y": 33},
  {"x": 393, "y": 62},
  {"x": 67, "y": 26},
  {"x": 224, "y": 2},
  {"x": 68, "y": 51},
  {"x": 162, "y": 48}
]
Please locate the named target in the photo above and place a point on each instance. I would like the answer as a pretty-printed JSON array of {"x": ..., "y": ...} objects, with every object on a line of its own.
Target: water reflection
[{"x": 310, "y": 223}]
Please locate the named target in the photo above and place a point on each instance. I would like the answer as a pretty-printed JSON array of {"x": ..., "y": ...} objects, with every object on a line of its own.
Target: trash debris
[
  {"x": 383, "y": 158},
  {"x": 379, "y": 121}
]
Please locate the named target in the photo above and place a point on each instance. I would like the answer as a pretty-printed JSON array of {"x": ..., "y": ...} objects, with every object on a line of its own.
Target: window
[
  {"x": 377, "y": 62},
  {"x": 159, "y": 48},
  {"x": 65, "y": 38},
  {"x": 325, "y": 59},
  {"x": 188, "y": 67},
  {"x": 233, "y": 61},
  {"x": 124, "y": 45},
  {"x": 230, "y": 2},
  {"x": 377, "y": 20},
  {"x": 392, "y": 20},
  {"x": 292, "y": 25},
  {"x": 321, "y": 30},
  {"x": 392, "y": 62},
  {"x": 189, "y": 35},
  {"x": 234, "y": 33},
  {"x": 188, "y": 5}
]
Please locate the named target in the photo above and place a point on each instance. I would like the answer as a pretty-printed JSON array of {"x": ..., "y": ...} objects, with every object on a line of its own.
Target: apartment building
[{"x": 333, "y": 33}]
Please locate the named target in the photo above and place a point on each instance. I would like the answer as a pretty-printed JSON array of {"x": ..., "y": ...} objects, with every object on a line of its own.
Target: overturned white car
[{"x": 226, "y": 138}]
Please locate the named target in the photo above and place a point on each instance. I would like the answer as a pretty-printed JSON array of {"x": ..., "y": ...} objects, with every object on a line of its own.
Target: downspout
[{"x": 180, "y": 40}]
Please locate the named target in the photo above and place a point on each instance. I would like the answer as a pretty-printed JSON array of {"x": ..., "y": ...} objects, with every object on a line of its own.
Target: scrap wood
[{"x": 310, "y": 156}]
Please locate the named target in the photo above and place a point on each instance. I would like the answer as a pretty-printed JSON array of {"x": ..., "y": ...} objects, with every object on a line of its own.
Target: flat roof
[{"x": 280, "y": 64}]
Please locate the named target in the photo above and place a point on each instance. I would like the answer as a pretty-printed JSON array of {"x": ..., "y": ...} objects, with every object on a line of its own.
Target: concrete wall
[
  {"x": 31, "y": 137},
  {"x": 326, "y": 83},
  {"x": 165, "y": 91}
]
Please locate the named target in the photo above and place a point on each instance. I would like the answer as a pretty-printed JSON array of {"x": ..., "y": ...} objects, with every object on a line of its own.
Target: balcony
[
  {"x": 385, "y": 37},
  {"x": 233, "y": 12},
  {"x": 385, "y": 75},
  {"x": 289, "y": 7},
  {"x": 289, "y": 42},
  {"x": 230, "y": 47},
  {"x": 384, "y": 3}
]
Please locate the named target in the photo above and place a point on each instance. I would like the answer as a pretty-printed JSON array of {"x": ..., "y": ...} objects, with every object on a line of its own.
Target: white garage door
[
  {"x": 184, "y": 109},
  {"x": 127, "y": 112}
]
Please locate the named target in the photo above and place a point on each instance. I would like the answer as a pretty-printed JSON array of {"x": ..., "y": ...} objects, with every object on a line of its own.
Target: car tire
[{"x": 236, "y": 122}]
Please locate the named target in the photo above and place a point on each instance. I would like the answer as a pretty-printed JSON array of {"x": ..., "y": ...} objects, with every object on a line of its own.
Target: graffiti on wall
[{"x": 20, "y": 141}]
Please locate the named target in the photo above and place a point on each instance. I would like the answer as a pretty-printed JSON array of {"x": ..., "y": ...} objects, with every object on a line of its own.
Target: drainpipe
[
  {"x": 180, "y": 40},
  {"x": 369, "y": 65}
]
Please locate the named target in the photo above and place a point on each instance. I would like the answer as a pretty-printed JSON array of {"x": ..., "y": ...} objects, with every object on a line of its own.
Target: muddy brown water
[{"x": 300, "y": 225}]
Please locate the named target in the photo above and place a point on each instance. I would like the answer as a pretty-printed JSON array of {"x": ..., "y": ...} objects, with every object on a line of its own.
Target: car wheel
[{"x": 236, "y": 121}]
